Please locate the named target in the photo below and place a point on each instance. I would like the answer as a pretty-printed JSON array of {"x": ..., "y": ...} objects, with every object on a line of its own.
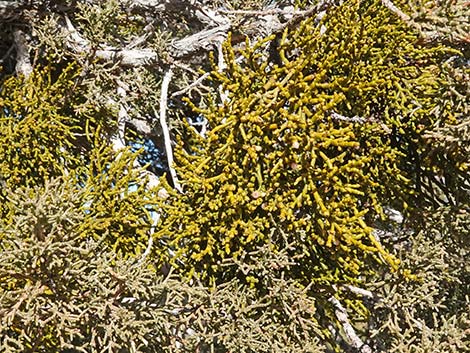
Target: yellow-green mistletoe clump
[
  {"x": 304, "y": 152},
  {"x": 43, "y": 137},
  {"x": 36, "y": 129}
]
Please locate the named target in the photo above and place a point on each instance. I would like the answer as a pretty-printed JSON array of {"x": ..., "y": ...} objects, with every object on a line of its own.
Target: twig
[
  {"x": 203, "y": 40},
  {"x": 164, "y": 126},
  {"x": 359, "y": 291},
  {"x": 353, "y": 339},
  {"x": 76, "y": 40},
  {"x": 211, "y": 17},
  {"x": 354, "y": 119},
  {"x": 149, "y": 247},
  {"x": 391, "y": 6},
  {"x": 119, "y": 140},
  {"x": 148, "y": 32},
  {"x": 185, "y": 67},
  {"x": 318, "y": 10},
  {"x": 264, "y": 12},
  {"x": 191, "y": 86}
]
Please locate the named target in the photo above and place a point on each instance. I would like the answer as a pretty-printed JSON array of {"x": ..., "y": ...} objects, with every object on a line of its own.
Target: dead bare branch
[
  {"x": 191, "y": 86},
  {"x": 166, "y": 131},
  {"x": 204, "y": 40},
  {"x": 23, "y": 62},
  {"x": 353, "y": 339},
  {"x": 391, "y": 6}
]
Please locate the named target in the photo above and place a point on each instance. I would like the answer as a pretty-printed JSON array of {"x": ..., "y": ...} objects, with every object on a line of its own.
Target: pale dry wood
[
  {"x": 23, "y": 62},
  {"x": 351, "y": 336},
  {"x": 203, "y": 40},
  {"x": 359, "y": 291},
  {"x": 392, "y": 7},
  {"x": 166, "y": 131}
]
